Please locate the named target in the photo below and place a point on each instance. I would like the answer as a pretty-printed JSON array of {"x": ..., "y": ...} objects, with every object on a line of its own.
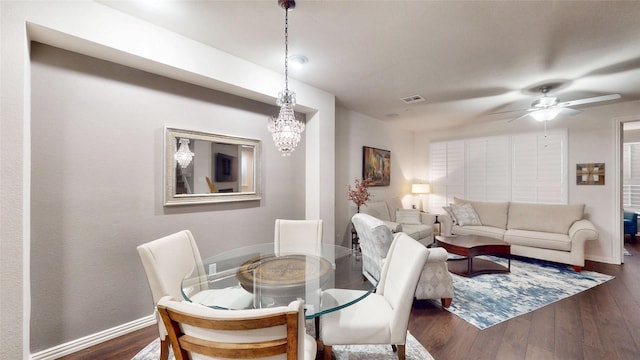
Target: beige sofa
[
  {"x": 412, "y": 222},
  {"x": 548, "y": 232}
]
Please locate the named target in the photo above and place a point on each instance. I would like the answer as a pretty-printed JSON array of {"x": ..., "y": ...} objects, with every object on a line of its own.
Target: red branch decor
[{"x": 359, "y": 194}]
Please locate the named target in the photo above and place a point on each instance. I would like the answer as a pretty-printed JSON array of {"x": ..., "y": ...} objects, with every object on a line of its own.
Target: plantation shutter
[
  {"x": 446, "y": 174},
  {"x": 521, "y": 168},
  {"x": 539, "y": 168},
  {"x": 488, "y": 169},
  {"x": 631, "y": 172}
]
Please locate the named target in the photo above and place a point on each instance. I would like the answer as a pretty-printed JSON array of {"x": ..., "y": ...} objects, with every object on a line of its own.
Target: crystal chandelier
[
  {"x": 285, "y": 128},
  {"x": 183, "y": 156}
]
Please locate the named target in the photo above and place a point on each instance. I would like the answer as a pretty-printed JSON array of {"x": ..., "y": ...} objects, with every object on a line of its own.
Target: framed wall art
[
  {"x": 376, "y": 166},
  {"x": 590, "y": 174}
]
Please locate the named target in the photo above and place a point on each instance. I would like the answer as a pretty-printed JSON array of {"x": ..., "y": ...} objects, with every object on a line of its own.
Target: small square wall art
[{"x": 590, "y": 174}]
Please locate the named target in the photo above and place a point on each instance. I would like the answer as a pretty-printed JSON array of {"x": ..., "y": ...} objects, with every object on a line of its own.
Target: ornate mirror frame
[{"x": 223, "y": 168}]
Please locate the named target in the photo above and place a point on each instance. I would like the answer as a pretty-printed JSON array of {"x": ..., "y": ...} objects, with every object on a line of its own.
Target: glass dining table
[{"x": 256, "y": 277}]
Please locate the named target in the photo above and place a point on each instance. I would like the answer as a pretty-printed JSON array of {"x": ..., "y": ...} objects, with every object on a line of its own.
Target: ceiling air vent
[{"x": 412, "y": 99}]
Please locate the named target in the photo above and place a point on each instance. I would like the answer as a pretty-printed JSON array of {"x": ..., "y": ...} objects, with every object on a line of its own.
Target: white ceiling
[{"x": 469, "y": 59}]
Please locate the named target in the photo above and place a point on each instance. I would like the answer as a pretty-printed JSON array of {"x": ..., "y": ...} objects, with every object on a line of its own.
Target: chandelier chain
[{"x": 286, "y": 50}]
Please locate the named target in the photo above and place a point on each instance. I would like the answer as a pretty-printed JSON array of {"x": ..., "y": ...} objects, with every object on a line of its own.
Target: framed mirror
[{"x": 202, "y": 168}]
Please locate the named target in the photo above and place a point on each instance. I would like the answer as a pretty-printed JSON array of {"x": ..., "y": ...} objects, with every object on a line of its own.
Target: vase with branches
[{"x": 359, "y": 193}]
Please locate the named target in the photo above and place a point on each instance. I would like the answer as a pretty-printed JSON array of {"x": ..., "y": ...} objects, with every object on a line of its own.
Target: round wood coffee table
[{"x": 470, "y": 246}]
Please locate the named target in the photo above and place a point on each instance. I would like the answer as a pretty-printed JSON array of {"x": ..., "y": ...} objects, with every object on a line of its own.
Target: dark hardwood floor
[{"x": 600, "y": 323}]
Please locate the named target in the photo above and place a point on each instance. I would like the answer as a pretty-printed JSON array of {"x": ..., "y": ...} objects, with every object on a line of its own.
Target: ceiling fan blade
[
  {"x": 589, "y": 100},
  {"x": 518, "y": 118},
  {"x": 507, "y": 111},
  {"x": 570, "y": 111}
]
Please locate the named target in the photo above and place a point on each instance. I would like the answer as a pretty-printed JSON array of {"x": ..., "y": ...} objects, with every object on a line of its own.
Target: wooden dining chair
[
  {"x": 298, "y": 236},
  {"x": 194, "y": 330}
]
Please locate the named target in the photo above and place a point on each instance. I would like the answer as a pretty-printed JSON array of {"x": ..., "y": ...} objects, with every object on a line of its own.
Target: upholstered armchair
[
  {"x": 375, "y": 238},
  {"x": 631, "y": 224},
  {"x": 436, "y": 281}
]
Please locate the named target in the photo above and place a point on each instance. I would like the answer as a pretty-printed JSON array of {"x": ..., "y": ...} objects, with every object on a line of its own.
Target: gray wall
[
  {"x": 353, "y": 131},
  {"x": 97, "y": 177}
]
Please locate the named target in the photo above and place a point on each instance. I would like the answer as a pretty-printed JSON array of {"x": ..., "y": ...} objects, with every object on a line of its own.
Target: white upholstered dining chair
[
  {"x": 298, "y": 236},
  {"x": 166, "y": 262},
  {"x": 198, "y": 332},
  {"x": 381, "y": 317}
]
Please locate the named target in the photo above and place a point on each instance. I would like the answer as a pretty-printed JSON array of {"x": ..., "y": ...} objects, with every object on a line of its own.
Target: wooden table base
[{"x": 472, "y": 266}]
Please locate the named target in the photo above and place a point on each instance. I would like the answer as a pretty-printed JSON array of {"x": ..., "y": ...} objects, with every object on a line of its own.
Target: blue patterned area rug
[
  {"x": 414, "y": 351},
  {"x": 489, "y": 299}
]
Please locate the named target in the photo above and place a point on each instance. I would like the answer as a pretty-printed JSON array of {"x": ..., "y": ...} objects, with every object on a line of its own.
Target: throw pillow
[
  {"x": 408, "y": 216},
  {"x": 465, "y": 214},
  {"x": 447, "y": 209}
]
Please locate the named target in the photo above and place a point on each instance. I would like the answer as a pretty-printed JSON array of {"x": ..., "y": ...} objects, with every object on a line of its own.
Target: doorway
[{"x": 630, "y": 181}]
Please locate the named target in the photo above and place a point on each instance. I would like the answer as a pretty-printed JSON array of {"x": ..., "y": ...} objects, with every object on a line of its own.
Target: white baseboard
[{"x": 93, "y": 339}]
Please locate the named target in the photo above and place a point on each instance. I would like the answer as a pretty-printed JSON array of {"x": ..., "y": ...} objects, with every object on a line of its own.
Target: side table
[{"x": 355, "y": 240}]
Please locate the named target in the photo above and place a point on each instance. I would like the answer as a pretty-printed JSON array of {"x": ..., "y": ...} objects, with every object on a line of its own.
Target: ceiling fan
[{"x": 548, "y": 107}]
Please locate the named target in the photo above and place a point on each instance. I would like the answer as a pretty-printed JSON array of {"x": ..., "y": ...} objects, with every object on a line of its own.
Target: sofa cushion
[
  {"x": 417, "y": 231},
  {"x": 465, "y": 214},
  {"x": 488, "y": 231},
  {"x": 543, "y": 217},
  {"x": 544, "y": 240},
  {"x": 408, "y": 216},
  {"x": 490, "y": 213},
  {"x": 377, "y": 209}
]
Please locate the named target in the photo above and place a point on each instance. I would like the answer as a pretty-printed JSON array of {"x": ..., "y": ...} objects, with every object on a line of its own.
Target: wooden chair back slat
[{"x": 184, "y": 344}]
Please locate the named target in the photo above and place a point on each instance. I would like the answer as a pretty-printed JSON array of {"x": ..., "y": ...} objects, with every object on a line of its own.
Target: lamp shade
[{"x": 420, "y": 188}]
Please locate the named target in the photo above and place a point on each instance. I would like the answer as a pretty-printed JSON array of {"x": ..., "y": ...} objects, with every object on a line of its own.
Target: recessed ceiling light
[{"x": 298, "y": 61}]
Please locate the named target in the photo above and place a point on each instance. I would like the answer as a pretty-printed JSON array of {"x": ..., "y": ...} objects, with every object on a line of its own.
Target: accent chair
[
  {"x": 375, "y": 238},
  {"x": 631, "y": 224}
]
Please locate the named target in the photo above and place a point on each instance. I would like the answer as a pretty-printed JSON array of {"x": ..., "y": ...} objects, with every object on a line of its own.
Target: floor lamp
[{"x": 420, "y": 189}]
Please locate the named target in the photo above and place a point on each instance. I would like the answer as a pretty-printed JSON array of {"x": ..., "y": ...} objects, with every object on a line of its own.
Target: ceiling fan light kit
[
  {"x": 545, "y": 114},
  {"x": 548, "y": 108}
]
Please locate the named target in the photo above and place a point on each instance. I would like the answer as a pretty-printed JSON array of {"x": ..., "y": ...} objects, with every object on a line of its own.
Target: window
[
  {"x": 447, "y": 174},
  {"x": 540, "y": 168},
  {"x": 631, "y": 173},
  {"x": 488, "y": 171},
  {"x": 524, "y": 168}
]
